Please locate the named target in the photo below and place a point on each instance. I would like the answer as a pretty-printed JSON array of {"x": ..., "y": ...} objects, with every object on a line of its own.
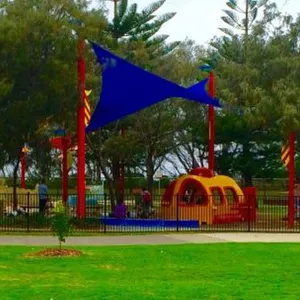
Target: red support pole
[
  {"x": 81, "y": 132},
  {"x": 65, "y": 171},
  {"x": 23, "y": 170},
  {"x": 122, "y": 171},
  {"x": 211, "y": 123},
  {"x": 291, "y": 198}
]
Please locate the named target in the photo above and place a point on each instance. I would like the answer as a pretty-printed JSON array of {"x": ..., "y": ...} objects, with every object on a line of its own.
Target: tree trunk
[
  {"x": 109, "y": 183},
  {"x": 111, "y": 191},
  {"x": 98, "y": 172},
  {"x": 15, "y": 179},
  {"x": 246, "y": 162},
  {"x": 3, "y": 172},
  {"x": 247, "y": 179},
  {"x": 116, "y": 179},
  {"x": 150, "y": 171},
  {"x": 44, "y": 160},
  {"x": 112, "y": 194},
  {"x": 246, "y": 30}
]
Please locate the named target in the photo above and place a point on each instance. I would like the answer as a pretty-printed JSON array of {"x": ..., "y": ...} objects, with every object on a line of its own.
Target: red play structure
[{"x": 213, "y": 199}]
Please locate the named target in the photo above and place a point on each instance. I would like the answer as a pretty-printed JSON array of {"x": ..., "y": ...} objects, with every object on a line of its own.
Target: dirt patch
[{"x": 56, "y": 253}]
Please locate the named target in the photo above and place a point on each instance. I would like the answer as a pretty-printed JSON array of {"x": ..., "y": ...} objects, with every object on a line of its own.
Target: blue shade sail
[{"x": 127, "y": 89}]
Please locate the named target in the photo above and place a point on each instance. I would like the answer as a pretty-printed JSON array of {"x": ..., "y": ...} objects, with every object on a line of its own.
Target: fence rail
[{"x": 29, "y": 213}]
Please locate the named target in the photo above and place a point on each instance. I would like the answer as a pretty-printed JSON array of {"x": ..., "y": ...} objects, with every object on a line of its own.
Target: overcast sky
[{"x": 200, "y": 19}]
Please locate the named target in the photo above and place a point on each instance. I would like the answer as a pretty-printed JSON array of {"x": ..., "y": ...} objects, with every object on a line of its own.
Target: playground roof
[{"x": 127, "y": 89}]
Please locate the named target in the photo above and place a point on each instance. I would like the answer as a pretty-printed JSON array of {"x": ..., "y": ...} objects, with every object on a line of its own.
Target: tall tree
[
  {"x": 134, "y": 36},
  {"x": 240, "y": 87},
  {"x": 249, "y": 15},
  {"x": 37, "y": 86}
]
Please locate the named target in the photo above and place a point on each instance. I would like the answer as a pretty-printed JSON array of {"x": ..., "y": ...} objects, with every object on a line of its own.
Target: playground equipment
[
  {"x": 209, "y": 198},
  {"x": 199, "y": 198}
]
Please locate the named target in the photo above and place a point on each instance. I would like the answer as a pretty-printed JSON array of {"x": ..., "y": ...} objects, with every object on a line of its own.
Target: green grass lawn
[{"x": 214, "y": 271}]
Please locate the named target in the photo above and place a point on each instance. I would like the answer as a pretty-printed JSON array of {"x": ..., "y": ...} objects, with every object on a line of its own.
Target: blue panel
[
  {"x": 127, "y": 89},
  {"x": 149, "y": 223}
]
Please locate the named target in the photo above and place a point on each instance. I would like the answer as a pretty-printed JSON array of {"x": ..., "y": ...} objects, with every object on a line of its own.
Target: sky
[{"x": 200, "y": 19}]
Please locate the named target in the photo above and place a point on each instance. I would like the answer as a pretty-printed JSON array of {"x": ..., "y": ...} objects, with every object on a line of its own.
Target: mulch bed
[{"x": 56, "y": 253}]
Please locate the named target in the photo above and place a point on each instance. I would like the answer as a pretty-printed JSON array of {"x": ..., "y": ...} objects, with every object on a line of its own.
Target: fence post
[
  {"x": 177, "y": 212},
  {"x": 28, "y": 220},
  {"x": 105, "y": 209}
]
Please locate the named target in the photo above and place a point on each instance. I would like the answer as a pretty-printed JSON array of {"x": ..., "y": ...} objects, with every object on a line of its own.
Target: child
[
  {"x": 146, "y": 202},
  {"x": 120, "y": 211}
]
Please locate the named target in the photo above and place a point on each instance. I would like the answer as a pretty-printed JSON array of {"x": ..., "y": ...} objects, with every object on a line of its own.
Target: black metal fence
[{"x": 26, "y": 212}]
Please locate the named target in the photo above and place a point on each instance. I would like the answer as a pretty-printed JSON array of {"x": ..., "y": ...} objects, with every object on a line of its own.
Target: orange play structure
[{"x": 212, "y": 199}]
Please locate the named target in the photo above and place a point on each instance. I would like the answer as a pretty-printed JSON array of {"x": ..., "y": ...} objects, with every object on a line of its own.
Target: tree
[
  {"x": 37, "y": 85},
  {"x": 128, "y": 23},
  {"x": 191, "y": 137},
  {"x": 133, "y": 34},
  {"x": 265, "y": 88},
  {"x": 240, "y": 85},
  {"x": 250, "y": 13},
  {"x": 61, "y": 224}
]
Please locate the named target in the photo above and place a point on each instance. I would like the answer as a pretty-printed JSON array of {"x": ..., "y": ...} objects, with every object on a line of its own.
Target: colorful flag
[
  {"x": 286, "y": 155},
  {"x": 87, "y": 108},
  {"x": 25, "y": 149}
]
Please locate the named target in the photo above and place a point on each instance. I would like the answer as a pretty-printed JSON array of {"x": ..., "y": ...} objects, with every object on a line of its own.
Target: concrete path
[
  {"x": 155, "y": 239},
  {"x": 257, "y": 237}
]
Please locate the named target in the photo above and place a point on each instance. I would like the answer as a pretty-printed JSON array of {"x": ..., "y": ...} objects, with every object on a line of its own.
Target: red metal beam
[
  {"x": 291, "y": 167},
  {"x": 81, "y": 132},
  {"x": 211, "y": 123},
  {"x": 65, "y": 171}
]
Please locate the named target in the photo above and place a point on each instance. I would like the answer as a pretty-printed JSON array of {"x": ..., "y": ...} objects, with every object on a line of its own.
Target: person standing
[
  {"x": 43, "y": 195},
  {"x": 146, "y": 202}
]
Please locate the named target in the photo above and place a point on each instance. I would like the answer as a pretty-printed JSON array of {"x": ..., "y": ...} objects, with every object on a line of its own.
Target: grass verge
[{"x": 213, "y": 271}]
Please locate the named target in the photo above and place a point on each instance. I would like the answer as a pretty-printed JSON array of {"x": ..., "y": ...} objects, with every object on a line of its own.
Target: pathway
[{"x": 154, "y": 239}]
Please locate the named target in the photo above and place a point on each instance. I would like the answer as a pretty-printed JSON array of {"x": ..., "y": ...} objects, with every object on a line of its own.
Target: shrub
[{"x": 61, "y": 223}]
